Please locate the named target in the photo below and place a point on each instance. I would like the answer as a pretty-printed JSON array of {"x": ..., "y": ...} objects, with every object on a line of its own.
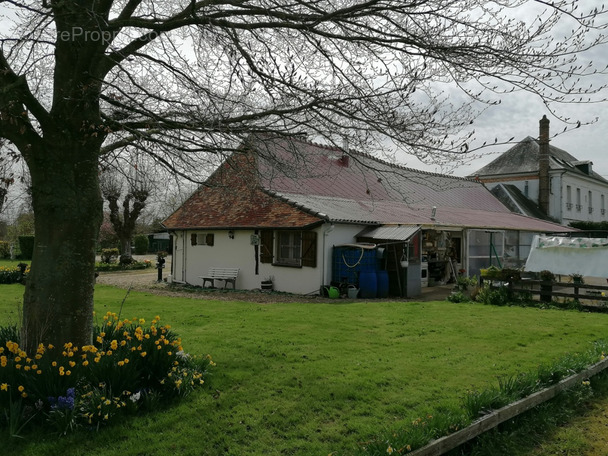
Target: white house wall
[
  {"x": 559, "y": 207},
  {"x": 570, "y": 211},
  {"x": 191, "y": 262}
]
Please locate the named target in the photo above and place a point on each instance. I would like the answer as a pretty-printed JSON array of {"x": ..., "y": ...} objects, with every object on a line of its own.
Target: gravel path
[{"x": 146, "y": 281}]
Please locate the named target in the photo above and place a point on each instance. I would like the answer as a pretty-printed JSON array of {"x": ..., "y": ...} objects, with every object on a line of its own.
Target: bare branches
[{"x": 188, "y": 78}]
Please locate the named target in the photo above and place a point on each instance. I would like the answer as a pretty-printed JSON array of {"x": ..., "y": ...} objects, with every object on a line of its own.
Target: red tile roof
[{"x": 231, "y": 199}]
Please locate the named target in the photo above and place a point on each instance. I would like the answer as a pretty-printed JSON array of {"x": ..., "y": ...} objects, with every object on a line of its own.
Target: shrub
[
  {"x": 14, "y": 274},
  {"x": 141, "y": 244},
  {"x": 26, "y": 245},
  {"x": 464, "y": 283},
  {"x": 546, "y": 276},
  {"x": 458, "y": 296},
  {"x": 111, "y": 267},
  {"x": 127, "y": 365},
  {"x": 109, "y": 256},
  {"x": 500, "y": 296},
  {"x": 5, "y": 250}
]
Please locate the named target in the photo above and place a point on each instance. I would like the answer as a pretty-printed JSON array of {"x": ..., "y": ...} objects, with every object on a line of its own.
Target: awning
[{"x": 390, "y": 232}]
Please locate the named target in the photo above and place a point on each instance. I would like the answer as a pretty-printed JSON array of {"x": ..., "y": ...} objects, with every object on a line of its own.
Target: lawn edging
[{"x": 497, "y": 417}]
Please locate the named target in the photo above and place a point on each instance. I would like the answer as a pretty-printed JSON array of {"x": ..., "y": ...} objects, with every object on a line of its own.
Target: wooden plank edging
[{"x": 490, "y": 421}]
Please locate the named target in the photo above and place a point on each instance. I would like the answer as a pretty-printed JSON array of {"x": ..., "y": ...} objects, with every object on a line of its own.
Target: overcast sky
[
  {"x": 519, "y": 113},
  {"x": 518, "y": 116}
]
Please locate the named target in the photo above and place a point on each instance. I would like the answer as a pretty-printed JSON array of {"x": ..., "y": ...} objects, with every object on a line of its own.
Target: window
[
  {"x": 602, "y": 205},
  {"x": 289, "y": 248},
  {"x": 590, "y": 201},
  {"x": 568, "y": 197},
  {"x": 579, "y": 206},
  {"x": 202, "y": 239}
]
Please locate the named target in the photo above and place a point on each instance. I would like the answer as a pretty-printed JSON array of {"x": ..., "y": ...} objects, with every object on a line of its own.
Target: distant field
[{"x": 312, "y": 379}]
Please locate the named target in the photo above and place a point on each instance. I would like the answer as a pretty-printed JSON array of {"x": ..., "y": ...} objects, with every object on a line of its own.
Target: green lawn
[
  {"x": 13, "y": 263},
  {"x": 311, "y": 379}
]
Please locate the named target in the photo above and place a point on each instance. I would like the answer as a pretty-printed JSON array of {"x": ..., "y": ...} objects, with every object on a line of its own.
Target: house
[
  {"x": 540, "y": 180},
  {"x": 308, "y": 216}
]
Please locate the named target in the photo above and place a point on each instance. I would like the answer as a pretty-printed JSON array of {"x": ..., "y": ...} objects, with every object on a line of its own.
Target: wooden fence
[
  {"x": 493, "y": 419},
  {"x": 593, "y": 296}
]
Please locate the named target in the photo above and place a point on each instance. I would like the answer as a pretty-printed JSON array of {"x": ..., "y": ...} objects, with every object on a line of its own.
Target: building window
[
  {"x": 590, "y": 196},
  {"x": 289, "y": 248},
  {"x": 579, "y": 206},
  {"x": 602, "y": 205},
  {"x": 568, "y": 197},
  {"x": 202, "y": 239}
]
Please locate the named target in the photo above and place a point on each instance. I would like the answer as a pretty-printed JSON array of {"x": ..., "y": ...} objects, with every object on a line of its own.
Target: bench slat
[{"x": 228, "y": 275}]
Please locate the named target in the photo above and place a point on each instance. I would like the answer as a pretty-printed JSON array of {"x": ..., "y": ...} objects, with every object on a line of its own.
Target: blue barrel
[
  {"x": 382, "y": 284},
  {"x": 368, "y": 284}
]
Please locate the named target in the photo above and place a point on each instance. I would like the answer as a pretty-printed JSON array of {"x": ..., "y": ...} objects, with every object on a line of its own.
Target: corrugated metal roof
[
  {"x": 325, "y": 172},
  {"x": 394, "y": 212},
  {"x": 391, "y": 232}
]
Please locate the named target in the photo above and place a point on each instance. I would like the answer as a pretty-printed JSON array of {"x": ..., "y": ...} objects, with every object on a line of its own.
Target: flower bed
[
  {"x": 127, "y": 368},
  {"x": 10, "y": 275}
]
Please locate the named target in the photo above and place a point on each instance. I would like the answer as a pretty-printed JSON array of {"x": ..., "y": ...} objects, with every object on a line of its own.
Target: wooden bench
[{"x": 228, "y": 275}]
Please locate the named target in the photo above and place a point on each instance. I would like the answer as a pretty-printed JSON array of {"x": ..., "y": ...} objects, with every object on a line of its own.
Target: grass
[
  {"x": 13, "y": 263},
  {"x": 311, "y": 379}
]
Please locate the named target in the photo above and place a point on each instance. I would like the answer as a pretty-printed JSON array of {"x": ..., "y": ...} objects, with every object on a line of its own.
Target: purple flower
[{"x": 63, "y": 402}]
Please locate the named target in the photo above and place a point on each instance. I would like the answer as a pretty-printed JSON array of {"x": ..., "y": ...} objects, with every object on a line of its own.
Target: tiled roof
[
  {"x": 231, "y": 200},
  {"x": 523, "y": 159},
  {"x": 299, "y": 183}
]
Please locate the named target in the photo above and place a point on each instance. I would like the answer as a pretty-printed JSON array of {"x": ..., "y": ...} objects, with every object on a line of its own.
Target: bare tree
[
  {"x": 185, "y": 81},
  {"x": 124, "y": 215}
]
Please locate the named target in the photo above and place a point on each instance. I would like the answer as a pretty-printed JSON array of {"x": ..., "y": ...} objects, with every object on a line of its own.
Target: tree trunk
[
  {"x": 125, "y": 250},
  {"x": 58, "y": 300}
]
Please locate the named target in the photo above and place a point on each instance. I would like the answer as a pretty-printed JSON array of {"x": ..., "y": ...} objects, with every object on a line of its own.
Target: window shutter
[
  {"x": 193, "y": 239},
  {"x": 309, "y": 249},
  {"x": 267, "y": 246},
  {"x": 209, "y": 239}
]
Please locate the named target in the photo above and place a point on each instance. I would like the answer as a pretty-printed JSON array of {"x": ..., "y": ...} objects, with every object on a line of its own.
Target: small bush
[
  {"x": 141, "y": 244},
  {"x": 5, "y": 250},
  {"x": 13, "y": 275},
  {"x": 500, "y": 296},
  {"x": 109, "y": 256},
  {"x": 128, "y": 368},
  {"x": 464, "y": 283},
  {"x": 111, "y": 267},
  {"x": 458, "y": 296},
  {"x": 26, "y": 245}
]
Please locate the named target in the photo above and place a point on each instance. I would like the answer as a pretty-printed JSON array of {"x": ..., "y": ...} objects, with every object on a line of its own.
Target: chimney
[
  {"x": 344, "y": 160},
  {"x": 543, "y": 166}
]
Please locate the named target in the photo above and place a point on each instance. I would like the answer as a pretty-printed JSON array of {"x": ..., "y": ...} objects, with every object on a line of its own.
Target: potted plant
[{"x": 577, "y": 278}]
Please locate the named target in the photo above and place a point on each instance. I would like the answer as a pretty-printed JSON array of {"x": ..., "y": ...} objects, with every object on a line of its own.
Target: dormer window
[{"x": 584, "y": 166}]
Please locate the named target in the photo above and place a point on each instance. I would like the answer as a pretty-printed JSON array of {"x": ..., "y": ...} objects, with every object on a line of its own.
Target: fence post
[{"x": 546, "y": 289}]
